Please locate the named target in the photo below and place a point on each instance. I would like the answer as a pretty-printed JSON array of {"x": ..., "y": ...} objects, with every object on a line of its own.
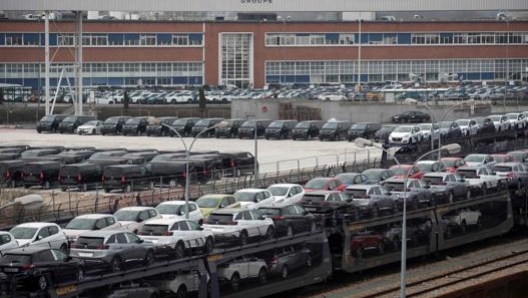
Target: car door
[
  {"x": 184, "y": 233},
  {"x": 63, "y": 270},
  {"x": 196, "y": 232},
  {"x": 137, "y": 251},
  {"x": 258, "y": 222},
  {"x": 42, "y": 238},
  {"x": 244, "y": 221},
  {"x": 44, "y": 261}
]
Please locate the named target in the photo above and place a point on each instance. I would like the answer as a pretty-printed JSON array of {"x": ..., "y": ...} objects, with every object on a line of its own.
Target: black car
[
  {"x": 450, "y": 130},
  {"x": 34, "y": 154},
  {"x": 288, "y": 259},
  {"x": 126, "y": 178},
  {"x": 70, "y": 123},
  {"x": 145, "y": 155},
  {"x": 168, "y": 171},
  {"x": 184, "y": 126},
  {"x": 41, "y": 173},
  {"x": 290, "y": 220},
  {"x": 485, "y": 124},
  {"x": 411, "y": 116},
  {"x": 307, "y": 129},
  {"x": 136, "y": 126},
  {"x": 335, "y": 205},
  {"x": 114, "y": 125},
  {"x": 11, "y": 172},
  {"x": 247, "y": 129},
  {"x": 280, "y": 129},
  {"x": 206, "y": 123},
  {"x": 82, "y": 176},
  {"x": 50, "y": 123},
  {"x": 206, "y": 167},
  {"x": 384, "y": 133},
  {"x": 363, "y": 130},
  {"x": 75, "y": 156},
  {"x": 334, "y": 130},
  {"x": 36, "y": 268},
  {"x": 159, "y": 129},
  {"x": 240, "y": 163},
  {"x": 229, "y": 128}
]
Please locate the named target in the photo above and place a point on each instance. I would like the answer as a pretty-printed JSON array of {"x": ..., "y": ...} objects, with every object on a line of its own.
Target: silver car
[{"x": 112, "y": 249}]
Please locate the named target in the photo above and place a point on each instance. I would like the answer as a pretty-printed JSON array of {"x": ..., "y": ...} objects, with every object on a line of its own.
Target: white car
[
  {"x": 254, "y": 198},
  {"x": 481, "y": 177},
  {"x": 429, "y": 130},
  {"x": 465, "y": 217},
  {"x": 133, "y": 218},
  {"x": 501, "y": 122},
  {"x": 40, "y": 234},
  {"x": 243, "y": 268},
  {"x": 517, "y": 120},
  {"x": 90, "y": 128},
  {"x": 7, "y": 242},
  {"x": 175, "y": 236},
  {"x": 90, "y": 222},
  {"x": 181, "y": 97},
  {"x": 286, "y": 193},
  {"x": 176, "y": 209},
  {"x": 331, "y": 96},
  {"x": 405, "y": 134},
  {"x": 469, "y": 127},
  {"x": 477, "y": 159},
  {"x": 179, "y": 284},
  {"x": 239, "y": 224}
]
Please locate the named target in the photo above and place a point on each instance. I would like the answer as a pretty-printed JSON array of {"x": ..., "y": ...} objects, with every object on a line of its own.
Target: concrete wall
[{"x": 356, "y": 112}]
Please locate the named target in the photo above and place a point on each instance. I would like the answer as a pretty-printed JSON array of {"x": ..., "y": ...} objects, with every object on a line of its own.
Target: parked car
[
  {"x": 36, "y": 268},
  {"x": 180, "y": 284},
  {"x": 429, "y": 131},
  {"x": 478, "y": 159},
  {"x": 417, "y": 229},
  {"x": 501, "y": 122},
  {"x": 307, "y": 129},
  {"x": 136, "y": 125},
  {"x": 519, "y": 156},
  {"x": 7, "y": 242},
  {"x": 239, "y": 225},
  {"x": 243, "y": 268},
  {"x": 114, "y": 125},
  {"x": 429, "y": 166},
  {"x": 290, "y": 219},
  {"x": 416, "y": 195},
  {"x": 447, "y": 187},
  {"x": 90, "y": 222},
  {"x": 50, "y": 123},
  {"x": 499, "y": 158},
  {"x": 41, "y": 173},
  {"x": 11, "y": 172},
  {"x": 176, "y": 236},
  {"x": 371, "y": 199},
  {"x": 352, "y": 178},
  {"x": 206, "y": 123},
  {"x": 450, "y": 130},
  {"x": 92, "y": 127},
  {"x": 126, "y": 177},
  {"x": 451, "y": 164},
  {"x": 406, "y": 170},
  {"x": 113, "y": 249},
  {"x": 212, "y": 202},
  {"x": 287, "y": 259},
  {"x": 286, "y": 193},
  {"x": 366, "y": 241},
  {"x": 481, "y": 179},
  {"x": 132, "y": 219},
  {"x": 253, "y": 198},
  {"x": 405, "y": 134},
  {"x": 71, "y": 123},
  {"x": 514, "y": 172},
  {"x": 375, "y": 176},
  {"x": 464, "y": 217},
  {"x": 335, "y": 205},
  {"x": 517, "y": 120},
  {"x": 324, "y": 183},
  {"x": 40, "y": 234},
  {"x": 334, "y": 130},
  {"x": 411, "y": 116},
  {"x": 384, "y": 133},
  {"x": 247, "y": 129},
  {"x": 229, "y": 128},
  {"x": 280, "y": 129},
  {"x": 363, "y": 130},
  {"x": 486, "y": 125},
  {"x": 469, "y": 127},
  {"x": 176, "y": 209},
  {"x": 159, "y": 127}
]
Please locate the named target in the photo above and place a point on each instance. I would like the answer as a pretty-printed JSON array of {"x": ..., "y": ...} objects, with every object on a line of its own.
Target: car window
[
  {"x": 193, "y": 226},
  {"x": 43, "y": 233},
  {"x": 130, "y": 237},
  {"x": 100, "y": 224},
  {"x": 247, "y": 216},
  {"x": 111, "y": 240},
  {"x": 58, "y": 255},
  {"x": 120, "y": 238},
  {"x": 182, "y": 226},
  {"x": 193, "y": 207},
  {"x": 224, "y": 203},
  {"x": 293, "y": 191},
  {"x": 44, "y": 256},
  {"x": 53, "y": 230},
  {"x": 266, "y": 194},
  {"x": 255, "y": 214},
  {"x": 152, "y": 213},
  {"x": 377, "y": 191},
  {"x": 240, "y": 216},
  {"x": 259, "y": 197},
  {"x": 143, "y": 215},
  {"x": 110, "y": 221}
]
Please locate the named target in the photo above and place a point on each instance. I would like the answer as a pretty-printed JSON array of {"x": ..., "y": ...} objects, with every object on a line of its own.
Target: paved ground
[{"x": 291, "y": 154}]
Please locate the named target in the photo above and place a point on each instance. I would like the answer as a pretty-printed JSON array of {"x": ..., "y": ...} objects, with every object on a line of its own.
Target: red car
[
  {"x": 503, "y": 158},
  {"x": 366, "y": 240},
  {"x": 406, "y": 170},
  {"x": 451, "y": 164},
  {"x": 324, "y": 184}
]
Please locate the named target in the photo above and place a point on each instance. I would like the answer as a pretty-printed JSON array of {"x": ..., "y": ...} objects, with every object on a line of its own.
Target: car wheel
[
  {"x": 463, "y": 226},
  {"x": 209, "y": 245},
  {"x": 262, "y": 277},
  {"x": 179, "y": 251},
  {"x": 182, "y": 292},
  {"x": 80, "y": 274},
  {"x": 42, "y": 283},
  {"x": 380, "y": 248},
  {"x": 289, "y": 231},
  {"x": 284, "y": 272},
  {"x": 116, "y": 265},
  {"x": 235, "y": 281},
  {"x": 149, "y": 258},
  {"x": 243, "y": 238}
]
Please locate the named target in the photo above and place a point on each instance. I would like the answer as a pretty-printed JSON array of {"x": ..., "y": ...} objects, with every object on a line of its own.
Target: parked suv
[
  {"x": 50, "y": 123},
  {"x": 184, "y": 126},
  {"x": 114, "y": 125},
  {"x": 229, "y": 128},
  {"x": 11, "y": 172},
  {"x": 158, "y": 128},
  {"x": 82, "y": 176},
  {"x": 363, "y": 130},
  {"x": 70, "y": 123},
  {"x": 136, "y": 125},
  {"x": 307, "y": 129},
  {"x": 41, "y": 173},
  {"x": 247, "y": 130},
  {"x": 206, "y": 123},
  {"x": 280, "y": 129},
  {"x": 334, "y": 130}
]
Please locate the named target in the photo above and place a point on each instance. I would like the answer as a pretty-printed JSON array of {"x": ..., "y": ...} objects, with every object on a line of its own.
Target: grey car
[
  {"x": 371, "y": 199},
  {"x": 515, "y": 172},
  {"x": 114, "y": 250},
  {"x": 417, "y": 193},
  {"x": 447, "y": 187}
]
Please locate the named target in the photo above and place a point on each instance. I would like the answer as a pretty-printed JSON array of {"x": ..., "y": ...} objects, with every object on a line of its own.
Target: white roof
[
  {"x": 178, "y": 203},
  {"x": 251, "y": 190},
  {"x": 163, "y": 221},
  {"x": 284, "y": 185},
  {"x": 135, "y": 209},
  {"x": 36, "y": 224},
  {"x": 427, "y": 162},
  {"x": 94, "y": 216}
]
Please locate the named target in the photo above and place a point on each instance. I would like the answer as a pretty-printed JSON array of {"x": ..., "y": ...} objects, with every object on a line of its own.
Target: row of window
[
  {"x": 109, "y": 81},
  {"x": 103, "y": 39},
  {"x": 332, "y": 39}
]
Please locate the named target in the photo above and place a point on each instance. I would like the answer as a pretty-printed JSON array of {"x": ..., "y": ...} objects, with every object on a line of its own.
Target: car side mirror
[{"x": 39, "y": 237}]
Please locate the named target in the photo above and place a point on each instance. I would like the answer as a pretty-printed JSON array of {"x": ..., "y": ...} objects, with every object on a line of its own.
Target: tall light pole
[
  {"x": 255, "y": 162},
  {"x": 503, "y": 17},
  {"x": 358, "y": 89},
  {"x": 188, "y": 160},
  {"x": 452, "y": 149}
]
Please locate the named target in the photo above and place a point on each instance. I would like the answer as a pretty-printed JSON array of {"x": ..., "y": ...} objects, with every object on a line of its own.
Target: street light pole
[
  {"x": 507, "y": 76},
  {"x": 451, "y": 148},
  {"x": 187, "y": 161},
  {"x": 255, "y": 162}
]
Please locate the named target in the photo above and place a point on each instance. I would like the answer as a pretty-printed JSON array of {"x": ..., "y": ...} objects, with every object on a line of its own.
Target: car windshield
[
  {"x": 270, "y": 211},
  {"x": 276, "y": 124},
  {"x": 359, "y": 126},
  {"x": 203, "y": 122},
  {"x": 278, "y": 190},
  {"x": 316, "y": 183},
  {"x": 111, "y": 120},
  {"x": 502, "y": 169},
  {"x": 449, "y": 162},
  {"x": 47, "y": 119},
  {"x": 394, "y": 186},
  {"x": 403, "y": 129},
  {"x": 245, "y": 196},
  {"x": 249, "y": 123},
  {"x": 302, "y": 125},
  {"x": 445, "y": 124},
  {"x": 126, "y": 215},
  {"x": 180, "y": 122},
  {"x": 475, "y": 158},
  {"x": 5, "y": 239},
  {"x": 346, "y": 178},
  {"x": 433, "y": 180},
  {"x": 425, "y": 126},
  {"x": 425, "y": 167},
  {"x": 372, "y": 174},
  {"x": 356, "y": 193},
  {"x": 93, "y": 122},
  {"x": 495, "y": 118},
  {"x": 400, "y": 170},
  {"x": 81, "y": 224},
  {"x": 206, "y": 202},
  {"x": 330, "y": 125},
  {"x": 70, "y": 119},
  {"x": 463, "y": 122},
  {"x": 23, "y": 232},
  {"x": 512, "y": 116},
  {"x": 171, "y": 209},
  {"x": 133, "y": 121}
]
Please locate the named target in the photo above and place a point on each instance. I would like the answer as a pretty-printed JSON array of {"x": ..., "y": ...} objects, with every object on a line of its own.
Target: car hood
[
  {"x": 247, "y": 205},
  {"x": 207, "y": 211},
  {"x": 400, "y": 134},
  {"x": 172, "y": 216},
  {"x": 22, "y": 242},
  {"x": 74, "y": 233},
  {"x": 473, "y": 163}
]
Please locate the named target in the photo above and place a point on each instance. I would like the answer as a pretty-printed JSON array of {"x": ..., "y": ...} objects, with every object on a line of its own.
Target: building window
[
  {"x": 66, "y": 39},
  {"x": 14, "y": 39},
  {"x": 147, "y": 39},
  {"x": 99, "y": 39},
  {"x": 180, "y": 39},
  {"x": 148, "y": 67}
]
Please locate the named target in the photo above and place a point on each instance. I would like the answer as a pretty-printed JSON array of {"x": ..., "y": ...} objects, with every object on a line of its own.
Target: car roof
[
  {"x": 471, "y": 167},
  {"x": 227, "y": 211},
  {"x": 427, "y": 162},
  {"x": 102, "y": 233},
  {"x": 399, "y": 179},
  {"x": 361, "y": 186},
  {"x": 437, "y": 174},
  {"x": 36, "y": 224},
  {"x": 322, "y": 192},
  {"x": 284, "y": 184},
  {"x": 253, "y": 190},
  {"x": 164, "y": 221},
  {"x": 136, "y": 208},
  {"x": 507, "y": 164},
  {"x": 94, "y": 216},
  {"x": 179, "y": 203},
  {"x": 216, "y": 196}
]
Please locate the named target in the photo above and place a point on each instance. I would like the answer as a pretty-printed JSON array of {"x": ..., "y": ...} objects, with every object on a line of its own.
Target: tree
[{"x": 126, "y": 100}]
